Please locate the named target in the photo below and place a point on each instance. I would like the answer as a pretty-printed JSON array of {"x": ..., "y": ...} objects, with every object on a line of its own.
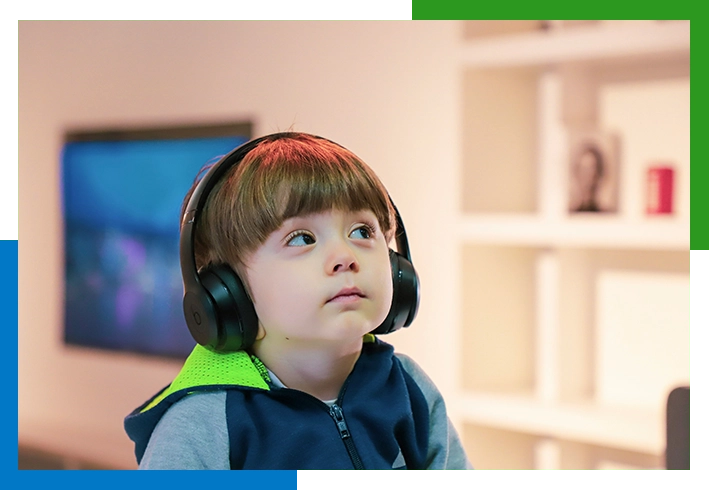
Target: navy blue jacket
[{"x": 380, "y": 420}]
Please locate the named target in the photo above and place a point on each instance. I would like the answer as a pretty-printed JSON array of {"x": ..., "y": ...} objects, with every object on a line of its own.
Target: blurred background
[{"x": 541, "y": 169}]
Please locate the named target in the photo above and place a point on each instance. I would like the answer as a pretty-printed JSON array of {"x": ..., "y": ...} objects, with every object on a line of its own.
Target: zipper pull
[{"x": 337, "y": 413}]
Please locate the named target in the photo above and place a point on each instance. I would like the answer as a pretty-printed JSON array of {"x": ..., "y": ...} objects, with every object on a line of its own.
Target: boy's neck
[{"x": 316, "y": 370}]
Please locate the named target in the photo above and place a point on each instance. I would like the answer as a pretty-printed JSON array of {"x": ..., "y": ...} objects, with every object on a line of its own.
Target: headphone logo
[{"x": 196, "y": 315}]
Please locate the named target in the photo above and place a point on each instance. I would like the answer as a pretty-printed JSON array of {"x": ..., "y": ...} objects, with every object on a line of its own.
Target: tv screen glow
[{"x": 122, "y": 194}]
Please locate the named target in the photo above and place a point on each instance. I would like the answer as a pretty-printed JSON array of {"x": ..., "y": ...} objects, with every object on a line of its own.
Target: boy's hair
[{"x": 289, "y": 175}]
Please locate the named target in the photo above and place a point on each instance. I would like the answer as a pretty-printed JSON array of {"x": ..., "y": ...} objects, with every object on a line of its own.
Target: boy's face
[{"x": 322, "y": 277}]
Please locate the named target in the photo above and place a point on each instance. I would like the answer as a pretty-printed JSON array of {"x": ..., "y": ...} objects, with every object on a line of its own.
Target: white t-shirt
[{"x": 277, "y": 382}]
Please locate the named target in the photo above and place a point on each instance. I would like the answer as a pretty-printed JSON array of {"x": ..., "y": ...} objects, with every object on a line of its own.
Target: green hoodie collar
[{"x": 204, "y": 367}]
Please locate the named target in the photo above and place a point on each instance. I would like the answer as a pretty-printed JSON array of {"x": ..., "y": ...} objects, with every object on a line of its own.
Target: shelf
[
  {"x": 654, "y": 233},
  {"x": 626, "y": 429},
  {"x": 603, "y": 41}
]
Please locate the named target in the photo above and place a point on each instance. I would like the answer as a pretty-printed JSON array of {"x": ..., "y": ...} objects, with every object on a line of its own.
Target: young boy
[{"x": 305, "y": 225}]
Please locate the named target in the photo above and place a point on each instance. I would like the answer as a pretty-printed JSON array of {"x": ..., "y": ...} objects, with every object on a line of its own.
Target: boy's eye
[
  {"x": 300, "y": 239},
  {"x": 362, "y": 232}
]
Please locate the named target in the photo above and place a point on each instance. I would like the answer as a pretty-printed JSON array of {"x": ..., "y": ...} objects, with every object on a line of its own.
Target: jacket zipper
[
  {"x": 337, "y": 413},
  {"x": 338, "y": 417}
]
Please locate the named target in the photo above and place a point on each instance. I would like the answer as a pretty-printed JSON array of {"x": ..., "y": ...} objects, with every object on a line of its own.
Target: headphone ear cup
[
  {"x": 405, "y": 295},
  {"x": 232, "y": 323},
  {"x": 200, "y": 316}
]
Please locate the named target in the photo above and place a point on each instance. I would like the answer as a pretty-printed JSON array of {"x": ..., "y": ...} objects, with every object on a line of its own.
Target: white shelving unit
[
  {"x": 588, "y": 231},
  {"x": 531, "y": 302},
  {"x": 605, "y": 41}
]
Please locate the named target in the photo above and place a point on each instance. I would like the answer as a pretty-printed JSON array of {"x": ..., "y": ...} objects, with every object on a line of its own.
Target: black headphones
[{"x": 217, "y": 308}]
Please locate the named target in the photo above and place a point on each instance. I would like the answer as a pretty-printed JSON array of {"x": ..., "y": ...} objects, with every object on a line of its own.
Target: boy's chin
[
  {"x": 349, "y": 332},
  {"x": 348, "y": 327}
]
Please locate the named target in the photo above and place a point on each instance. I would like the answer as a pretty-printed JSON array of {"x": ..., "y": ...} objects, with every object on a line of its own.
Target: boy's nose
[
  {"x": 346, "y": 265},
  {"x": 342, "y": 259}
]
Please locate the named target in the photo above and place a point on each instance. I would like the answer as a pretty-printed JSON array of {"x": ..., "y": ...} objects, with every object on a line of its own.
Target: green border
[
  {"x": 700, "y": 247},
  {"x": 697, "y": 478}
]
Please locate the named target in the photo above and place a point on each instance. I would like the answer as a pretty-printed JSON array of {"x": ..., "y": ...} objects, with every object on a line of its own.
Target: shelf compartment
[
  {"x": 586, "y": 320},
  {"x": 491, "y": 448},
  {"x": 579, "y": 456},
  {"x": 641, "y": 316},
  {"x": 641, "y": 431},
  {"x": 498, "y": 318},
  {"x": 498, "y": 167}
]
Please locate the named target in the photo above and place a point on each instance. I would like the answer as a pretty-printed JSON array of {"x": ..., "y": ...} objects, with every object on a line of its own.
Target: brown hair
[{"x": 284, "y": 176}]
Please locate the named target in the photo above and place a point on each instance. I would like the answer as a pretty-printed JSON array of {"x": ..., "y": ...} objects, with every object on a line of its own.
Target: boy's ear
[{"x": 260, "y": 333}]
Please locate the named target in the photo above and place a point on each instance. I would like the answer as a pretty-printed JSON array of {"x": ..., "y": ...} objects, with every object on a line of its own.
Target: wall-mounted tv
[{"x": 122, "y": 192}]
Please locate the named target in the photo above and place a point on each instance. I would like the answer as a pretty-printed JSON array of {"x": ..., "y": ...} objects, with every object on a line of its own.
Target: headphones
[{"x": 217, "y": 308}]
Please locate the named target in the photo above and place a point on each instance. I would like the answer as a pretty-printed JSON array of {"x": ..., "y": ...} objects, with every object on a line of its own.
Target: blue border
[
  {"x": 8, "y": 293},
  {"x": 123, "y": 480}
]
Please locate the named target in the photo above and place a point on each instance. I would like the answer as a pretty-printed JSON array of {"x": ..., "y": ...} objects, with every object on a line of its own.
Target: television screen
[{"x": 122, "y": 193}]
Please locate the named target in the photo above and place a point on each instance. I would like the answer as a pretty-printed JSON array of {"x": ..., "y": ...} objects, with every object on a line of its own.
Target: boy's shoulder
[
  {"x": 204, "y": 372},
  {"x": 420, "y": 377},
  {"x": 376, "y": 346},
  {"x": 207, "y": 370}
]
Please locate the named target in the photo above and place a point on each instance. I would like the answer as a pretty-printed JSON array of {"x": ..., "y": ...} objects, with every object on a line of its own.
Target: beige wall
[{"x": 386, "y": 90}]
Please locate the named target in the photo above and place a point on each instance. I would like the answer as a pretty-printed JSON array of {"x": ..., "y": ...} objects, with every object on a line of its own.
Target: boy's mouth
[{"x": 347, "y": 294}]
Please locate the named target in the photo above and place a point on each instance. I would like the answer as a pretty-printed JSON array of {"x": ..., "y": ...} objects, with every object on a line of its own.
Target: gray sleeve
[
  {"x": 191, "y": 435},
  {"x": 445, "y": 449}
]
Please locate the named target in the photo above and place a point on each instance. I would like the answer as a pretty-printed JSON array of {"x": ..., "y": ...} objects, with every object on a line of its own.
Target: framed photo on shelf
[{"x": 593, "y": 172}]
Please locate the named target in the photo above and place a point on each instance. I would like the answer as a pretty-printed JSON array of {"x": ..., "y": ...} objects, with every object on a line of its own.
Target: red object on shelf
[{"x": 659, "y": 193}]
